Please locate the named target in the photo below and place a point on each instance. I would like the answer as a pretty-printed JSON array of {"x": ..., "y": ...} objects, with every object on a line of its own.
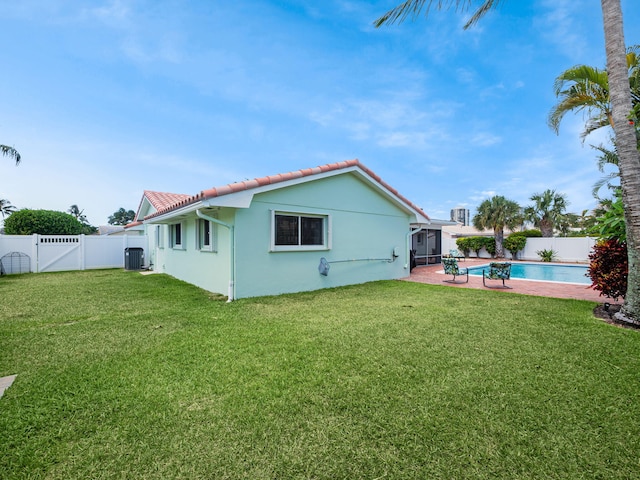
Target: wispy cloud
[
  {"x": 485, "y": 139},
  {"x": 561, "y": 26}
]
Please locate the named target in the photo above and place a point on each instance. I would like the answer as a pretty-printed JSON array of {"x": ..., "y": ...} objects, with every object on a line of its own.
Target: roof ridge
[{"x": 244, "y": 185}]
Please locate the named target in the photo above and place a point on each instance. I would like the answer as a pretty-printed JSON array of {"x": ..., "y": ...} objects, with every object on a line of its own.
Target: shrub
[
  {"x": 475, "y": 244},
  {"x": 472, "y": 244},
  {"x": 489, "y": 243},
  {"x": 515, "y": 243},
  {"x": 547, "y": 255},
  {"x": 464, "y": 245},
  {"x": 530, "y": 233},
  {"x": 43, "y": 222},
  {"x": 608, "y": 268}
]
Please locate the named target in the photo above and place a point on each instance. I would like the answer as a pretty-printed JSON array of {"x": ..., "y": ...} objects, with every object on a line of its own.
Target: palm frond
[
  {"x": 606, "y": 180},
  {"x": 595, "y": 123},
  {"x": 582, "y": 74},
  {"x": 481, "y": 12},
  {"x": 10, "y": 152},
  {"x": 400, "y": 13},
  {"x": 413, "y": 8},
  {"x": 607, "y": 157}
]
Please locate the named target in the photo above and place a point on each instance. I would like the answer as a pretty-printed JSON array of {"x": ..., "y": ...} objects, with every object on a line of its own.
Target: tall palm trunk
[
  {"x": 498, "y": 233},
  {"x": 629, "y": 159}
]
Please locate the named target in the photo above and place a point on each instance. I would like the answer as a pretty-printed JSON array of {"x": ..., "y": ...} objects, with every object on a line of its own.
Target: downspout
[{"x": 232, "y": 253}]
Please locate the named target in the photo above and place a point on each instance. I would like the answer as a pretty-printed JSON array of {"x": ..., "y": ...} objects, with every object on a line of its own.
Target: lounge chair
[
  {"x": 454, "y": 253},
  {"x": 451, "y": 268},
  {"x": 497, "y": 271}
]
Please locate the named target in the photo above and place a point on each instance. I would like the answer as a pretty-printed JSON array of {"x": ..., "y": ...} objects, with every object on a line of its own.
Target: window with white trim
[
  {"x": 207, "y": 236},
  {"x": 159, "y": 236},
  {"x": 293, "y": 231},
  {"x": 176, "y": 235}
]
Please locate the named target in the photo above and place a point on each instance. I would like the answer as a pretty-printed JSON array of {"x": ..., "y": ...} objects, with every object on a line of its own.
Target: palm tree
[
  {"x": 585, "y": 88},
  {"x": 621, "y": 108},
  {"x": 6, "y": 208},
  {"x": 77, "y": 213},
  {"x": 626, "y": 145},
  {"x": 497, "y": 213},
  {"x": 582, "y": 88},
  {"x": 10, "y": 152},
  {"x": 548, "y": 212}
]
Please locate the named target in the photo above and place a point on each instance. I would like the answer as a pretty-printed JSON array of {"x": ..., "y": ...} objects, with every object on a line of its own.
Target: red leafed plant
[{"x": 608, "y": 268}]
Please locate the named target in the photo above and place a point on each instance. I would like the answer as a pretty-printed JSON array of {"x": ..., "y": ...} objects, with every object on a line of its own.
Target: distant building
[{"x": 460, "y": 215}]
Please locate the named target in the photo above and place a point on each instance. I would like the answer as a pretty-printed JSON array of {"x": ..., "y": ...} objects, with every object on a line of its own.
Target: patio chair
[
  {"x": 451, "y": 268},
  {"x": 455, "y": 253},
  {"x": 497, "y": 271}
]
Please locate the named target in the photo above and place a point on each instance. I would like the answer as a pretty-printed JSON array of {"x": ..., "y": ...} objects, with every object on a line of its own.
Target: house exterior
[{"x": 329, "y": 226}]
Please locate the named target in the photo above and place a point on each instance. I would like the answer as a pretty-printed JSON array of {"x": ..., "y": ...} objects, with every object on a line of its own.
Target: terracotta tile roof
[
  {"x": 185, "y": 200},
  {"x": 164, "y": 200}
]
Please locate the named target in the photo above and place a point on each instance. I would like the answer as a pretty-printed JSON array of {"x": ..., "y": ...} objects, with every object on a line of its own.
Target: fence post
[
  {"x": 82, "y": 252},
  {"x": 35, "y": 261}
]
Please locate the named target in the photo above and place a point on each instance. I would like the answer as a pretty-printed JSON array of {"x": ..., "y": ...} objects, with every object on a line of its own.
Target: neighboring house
[
  {"x": 278, "y": 234},
  {"x": 110, "y": 230}
]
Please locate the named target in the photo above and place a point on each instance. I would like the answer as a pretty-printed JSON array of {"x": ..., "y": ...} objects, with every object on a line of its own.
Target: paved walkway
[
  {"x": 434, "y": 274},
  {"x": 5, "y": 382}
]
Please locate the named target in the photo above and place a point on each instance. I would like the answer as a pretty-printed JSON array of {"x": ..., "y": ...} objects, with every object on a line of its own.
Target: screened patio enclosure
[{"x": 427, "y": 246}]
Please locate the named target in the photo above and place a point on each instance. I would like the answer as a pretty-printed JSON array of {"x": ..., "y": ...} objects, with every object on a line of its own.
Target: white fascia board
[
  {"x": 233, "y": 200},
  {"x": 145, "y": 209},
  {"x": 174, "y": 215}
]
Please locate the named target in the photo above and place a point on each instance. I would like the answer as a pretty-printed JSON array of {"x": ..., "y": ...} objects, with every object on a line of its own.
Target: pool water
[{"x": 544, "y": 272}]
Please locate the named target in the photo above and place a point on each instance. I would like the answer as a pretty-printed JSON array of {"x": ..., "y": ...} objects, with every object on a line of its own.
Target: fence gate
[{"x": 59, "y": 252}]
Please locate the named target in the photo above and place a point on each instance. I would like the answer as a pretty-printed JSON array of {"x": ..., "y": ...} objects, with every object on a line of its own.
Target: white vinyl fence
[
  {"x": 55, "y": 253},
  {"x": 567, "y": 249}
]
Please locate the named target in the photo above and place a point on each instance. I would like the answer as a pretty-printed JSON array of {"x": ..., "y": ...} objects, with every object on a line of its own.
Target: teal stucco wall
[
  {"x": 364, "y": 224},
  {"x": 206, "y": 269}
]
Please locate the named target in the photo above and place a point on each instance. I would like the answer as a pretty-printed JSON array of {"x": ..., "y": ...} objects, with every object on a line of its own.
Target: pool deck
[{"x": 433, "y": 274}]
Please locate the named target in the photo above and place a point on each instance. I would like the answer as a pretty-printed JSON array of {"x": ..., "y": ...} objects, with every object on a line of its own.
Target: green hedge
[
  {"x": 475, "y": 244},
  {"x": 43, "y": 222}
]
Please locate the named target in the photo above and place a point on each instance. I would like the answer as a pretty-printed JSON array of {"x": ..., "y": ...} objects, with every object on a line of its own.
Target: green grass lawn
[{"x": 122, "y": 375}]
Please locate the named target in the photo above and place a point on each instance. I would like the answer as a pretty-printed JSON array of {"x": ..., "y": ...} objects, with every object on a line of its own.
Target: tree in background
[
  {"x": 122, "y": 217},
  {"x": 10, "y": 152},
  {"x": 497, "y": 213},
  {"x": 623, "y": 119},
  {"x": 582, "y": 222},
  {"x": 43, "y": 222},
  {"x": 77, "y": 213},
  {"x": 87, "y": 228},
  {"x": 6, "y": 208},
  {"x": 548, "y": 212}
]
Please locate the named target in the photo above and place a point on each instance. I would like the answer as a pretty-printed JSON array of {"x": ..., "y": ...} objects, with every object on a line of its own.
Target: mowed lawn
[{"x": 122, "y": 375}]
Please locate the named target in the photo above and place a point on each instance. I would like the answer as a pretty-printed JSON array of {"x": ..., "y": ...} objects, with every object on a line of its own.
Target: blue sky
[{"x": 107, "y": 98}]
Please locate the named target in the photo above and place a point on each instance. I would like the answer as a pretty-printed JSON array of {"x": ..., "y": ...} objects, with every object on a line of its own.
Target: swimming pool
[{"x": 546, "y": 272}]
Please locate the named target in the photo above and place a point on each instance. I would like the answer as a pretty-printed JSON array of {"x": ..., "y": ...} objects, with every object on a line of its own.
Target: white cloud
[{"x": 485, "y": 139}]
